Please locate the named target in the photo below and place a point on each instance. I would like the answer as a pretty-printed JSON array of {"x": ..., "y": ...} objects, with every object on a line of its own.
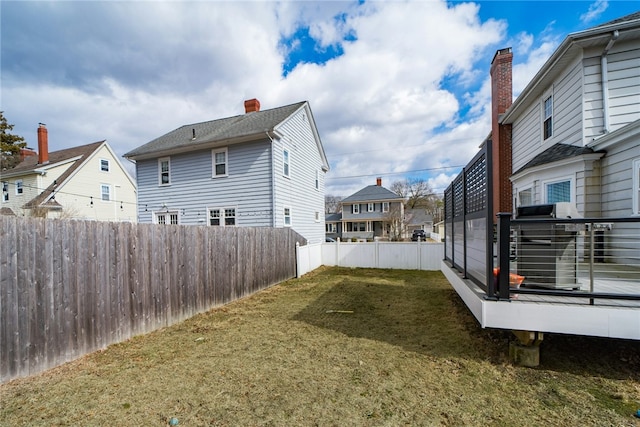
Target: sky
[{"x": 398, "y": 89}]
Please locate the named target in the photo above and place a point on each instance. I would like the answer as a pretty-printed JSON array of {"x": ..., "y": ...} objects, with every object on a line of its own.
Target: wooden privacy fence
[{"x": 68, "y": 288}]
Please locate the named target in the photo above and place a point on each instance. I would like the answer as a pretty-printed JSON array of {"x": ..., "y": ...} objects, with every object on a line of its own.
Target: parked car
[
  {"x": 418, "y": 234},
  {"x": 330, "y": 240}
]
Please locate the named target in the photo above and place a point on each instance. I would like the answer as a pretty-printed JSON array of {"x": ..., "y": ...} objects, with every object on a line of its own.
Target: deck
[{"x": 557, "y": 314}]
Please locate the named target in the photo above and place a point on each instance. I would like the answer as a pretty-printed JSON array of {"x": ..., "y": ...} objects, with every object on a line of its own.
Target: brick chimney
[
  {"x": 251, "y": 105},
  {"x": 501, "y": 99},
  {"x": 26, "y": 152},
  {"x": 379, "y": 182},
  {"x": 43, "y": 144}
]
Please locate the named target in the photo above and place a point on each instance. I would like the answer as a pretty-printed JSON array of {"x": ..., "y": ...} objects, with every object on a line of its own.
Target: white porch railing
[{"x": 397, "y": 255}]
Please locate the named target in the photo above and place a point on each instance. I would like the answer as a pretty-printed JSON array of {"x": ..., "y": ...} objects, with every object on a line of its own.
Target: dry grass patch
[{"x": 338, "y": 347}]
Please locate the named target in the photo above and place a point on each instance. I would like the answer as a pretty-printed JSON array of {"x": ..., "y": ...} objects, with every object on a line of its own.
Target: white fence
[{"x": 405, "y": 255}]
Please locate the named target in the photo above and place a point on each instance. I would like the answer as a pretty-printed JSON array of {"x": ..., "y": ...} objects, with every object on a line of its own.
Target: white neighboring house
[
  {"x": 261, "y": 169},
  {"x": 85, "y": 182}
]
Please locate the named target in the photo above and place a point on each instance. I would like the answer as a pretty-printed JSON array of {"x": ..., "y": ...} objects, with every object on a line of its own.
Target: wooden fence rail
[{"x": 68, "y": 288}]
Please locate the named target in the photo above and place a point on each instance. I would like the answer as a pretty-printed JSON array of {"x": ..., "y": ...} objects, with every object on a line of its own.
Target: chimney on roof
[
  {"x": 43, "y": 144},
  {"x": 251, "y": 105},
  {"x": 26, "y": 152},
  {"x": 501, "y": 100},
  {"x": 379, "y": 182}
]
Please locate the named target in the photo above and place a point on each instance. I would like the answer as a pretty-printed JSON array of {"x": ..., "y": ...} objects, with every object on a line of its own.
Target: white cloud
[{"x": 595, "y": 10}]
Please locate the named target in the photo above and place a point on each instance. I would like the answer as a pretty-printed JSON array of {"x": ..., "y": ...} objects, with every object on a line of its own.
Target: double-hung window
[
  {"x": 548, "y": 117},
  {"x": 166, "y": 218},
  {"x": 220, "y": 162},
  {"x": 164, "y": 171},
  {"x": 104, "y": 165},
  {"x": 5, "y": 191},
  {"x": 285, "y": 163},
  {"x": 19, "y": 188},
  {"x": 385, "y": 206},
  {"x": 317, "y": 180},
  {"x": 222, "y": 216},
  {"x": 287, "y": 216},
  {"x": 105, "y": 192},
  {"x": 355, "y": 208},
  {"x": 369, "y": 207}
]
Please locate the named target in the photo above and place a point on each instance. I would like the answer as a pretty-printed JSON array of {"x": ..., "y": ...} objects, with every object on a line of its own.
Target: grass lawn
[{"x": 338, "y": 347}]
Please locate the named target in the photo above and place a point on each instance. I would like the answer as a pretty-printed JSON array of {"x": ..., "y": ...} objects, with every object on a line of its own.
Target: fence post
[
  {"x": 297, "y": 260},
  {"x": 504, "y": 233}
]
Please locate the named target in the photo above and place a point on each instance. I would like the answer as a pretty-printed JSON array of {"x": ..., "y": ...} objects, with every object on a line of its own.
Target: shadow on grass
[{"x": 431, "y": 319}]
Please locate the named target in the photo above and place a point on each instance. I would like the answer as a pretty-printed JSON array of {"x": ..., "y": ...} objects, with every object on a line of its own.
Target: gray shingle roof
[
  {"x": 245, "y": 125},
  {"x": 372, "y": 193},
  {"x": 333, "y": 217},
  {"x": 555, "y": 153}
]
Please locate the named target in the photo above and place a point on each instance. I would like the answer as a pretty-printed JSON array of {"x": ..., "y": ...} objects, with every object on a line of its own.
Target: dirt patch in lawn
[{"x": 338, "y": 347}]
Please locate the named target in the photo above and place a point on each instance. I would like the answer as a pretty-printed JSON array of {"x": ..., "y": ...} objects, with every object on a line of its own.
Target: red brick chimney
[
  {"x": 43, "y": 144},
  {"x": 379, "y": 182},
  {"x": 26, "y": 152},
  {"x": 501, "y": 99},
  {"x": 251, "y": 105}
]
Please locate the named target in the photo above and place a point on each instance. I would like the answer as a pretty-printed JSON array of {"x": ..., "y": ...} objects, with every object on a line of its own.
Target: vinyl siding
[
  {"x": 193, "y": 190},
  {"x": 30, "y": 189},
  {"x": 617, "y": 179},
  {"x": 298, "y": 191},
  {"x": 376, "y": 215}
]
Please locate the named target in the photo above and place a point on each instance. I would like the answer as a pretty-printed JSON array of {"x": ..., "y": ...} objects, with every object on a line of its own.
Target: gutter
[{"x": 605, "y": 81}]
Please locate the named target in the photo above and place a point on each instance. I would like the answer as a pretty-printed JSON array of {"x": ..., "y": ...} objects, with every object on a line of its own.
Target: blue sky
[{"x": 398, "y": 89}]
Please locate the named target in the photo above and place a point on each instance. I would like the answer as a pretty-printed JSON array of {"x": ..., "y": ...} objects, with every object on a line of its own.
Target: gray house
[
  {"x": 261, "y": 169},
  {"x": 372, "y": 212}
]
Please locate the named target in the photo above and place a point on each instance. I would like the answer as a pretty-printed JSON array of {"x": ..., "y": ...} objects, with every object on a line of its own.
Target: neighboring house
[
  {"x": 85, "y": 182},
  {"x": 372, "y": 212},
  {"x": 333, "y": 225},
  {"x": 417, "y": 219},
  {"x": 573, "y": 134},
  {"x": 261, "y": 169}
]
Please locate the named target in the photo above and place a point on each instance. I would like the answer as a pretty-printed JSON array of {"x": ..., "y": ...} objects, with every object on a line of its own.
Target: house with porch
[
  {"x": 85, "y": 182},
  {"x": 263, "y": 168}
]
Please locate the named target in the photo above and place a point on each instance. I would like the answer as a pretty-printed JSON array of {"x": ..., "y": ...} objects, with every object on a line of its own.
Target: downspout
[
  {"x": 605, "y": 82},
  {"x": 273, "y": 183}
]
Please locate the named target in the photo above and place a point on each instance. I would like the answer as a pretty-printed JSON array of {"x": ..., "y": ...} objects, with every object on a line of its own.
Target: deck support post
[{"x": 525, "y": 350}]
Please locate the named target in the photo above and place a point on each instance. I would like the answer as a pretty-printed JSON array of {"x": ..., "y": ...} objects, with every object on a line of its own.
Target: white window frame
[
  {"x": 331, "y": 227},
  {"x": 636, "y": 187},
  {"x": 370, "y": 207},
  {"x": 355, "y": 208},
  {"x": 214, "y": 163},
  {"x": 317, "y": 179},
  {"x": 162, "y": 217},
  {"x": 547, "y": 116},
  {"x": 519, "y": 198},
  {"x": 5, "y": 191},
  {"x": 102, "y": 193},
  {"x": 385, "y": 206},
  {"x": 287, "y": 216},
  {"x": 286, "y": 163},
  {"x": 572, "y": 190},
  {"x": 107, "y": 163},
  {"x": 161, "y": 172},
  {"x": 224, "y": 217},
  {"x": 19, "y": 187},
  {"x": 317, "y": 216},
  {"x": 369, "y": 226}
]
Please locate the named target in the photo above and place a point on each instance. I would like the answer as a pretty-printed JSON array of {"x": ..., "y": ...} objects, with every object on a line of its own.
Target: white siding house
[
  {"x": 86, "y": 182},
  {"x": 260, "y": 169},
  {"x": 575, "y": 127}
]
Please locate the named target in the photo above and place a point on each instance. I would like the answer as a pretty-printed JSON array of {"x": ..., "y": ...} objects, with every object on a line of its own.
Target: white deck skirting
[{"x": 541, "y": 316}]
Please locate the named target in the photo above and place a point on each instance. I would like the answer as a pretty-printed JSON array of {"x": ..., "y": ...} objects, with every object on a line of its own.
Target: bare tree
[
  {"x": 332, "y": 204},
  {"x": 418, "y": 194},
  {"x": 396, "y": 221}
]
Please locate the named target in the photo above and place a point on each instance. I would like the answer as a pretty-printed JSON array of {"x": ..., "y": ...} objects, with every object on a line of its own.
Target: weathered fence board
[{"x": 68, "y": 288}]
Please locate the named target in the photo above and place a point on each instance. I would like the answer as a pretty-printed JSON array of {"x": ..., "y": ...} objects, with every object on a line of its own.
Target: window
[
  {"x": 105, "y": 192},
  {"x": 525, "y": 197},
  {"x": 5, "y": 191},
  {"x": 385, "y": 206},
  {"x": 558, "y": 191},
  {"x": 285, "y": 162},
  {"x": 355, "y": 209},
  {"x": 331, "y": 227},
  {"x": 220, "y": 162},
  {"x": 636, "y": 187},
  {"x": 369, "y": 226},
  {"x": 287, "y": 216},
  {"x": 317, "y": 180},
  {"x": 369, "y": 207},
  {"x": 548, "y": 117},
  {"x": 164, "y": 170},
  {"x": 166, "y": 218},
  {"x": 317, "y": 216},
  {"x": 222, "y": 216},
  {"x": 19, "y": 189},
  {"x": 104, "y": 165}
]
